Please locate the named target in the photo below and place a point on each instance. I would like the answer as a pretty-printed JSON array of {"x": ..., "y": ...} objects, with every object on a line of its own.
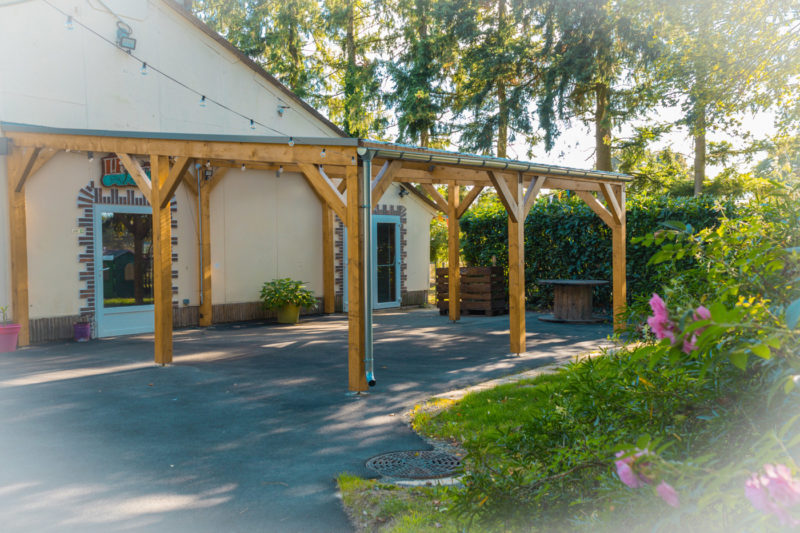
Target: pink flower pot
[{"x": 8, "y": 337}]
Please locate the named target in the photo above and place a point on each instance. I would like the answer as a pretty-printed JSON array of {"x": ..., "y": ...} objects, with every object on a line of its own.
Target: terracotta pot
[
  {"x": 288, "y": 314},
  {"x": 8, "y": 337},
  {"x": 83, "y": 331}
]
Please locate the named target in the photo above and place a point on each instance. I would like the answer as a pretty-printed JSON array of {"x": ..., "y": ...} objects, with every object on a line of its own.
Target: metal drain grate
[{"x": 414, "y": 464}]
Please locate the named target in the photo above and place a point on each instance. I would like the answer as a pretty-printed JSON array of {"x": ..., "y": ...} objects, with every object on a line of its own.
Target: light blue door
[
  {"x": 123, "y": 240},
  {"x": 386, "y": 265}
]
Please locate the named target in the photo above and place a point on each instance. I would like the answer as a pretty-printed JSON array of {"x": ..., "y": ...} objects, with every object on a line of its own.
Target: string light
[
  {"x": 208, "y": 163},
  {"x": 291, "y": 141},
  {"x": 243, "y": 167},
  {"x": 143, "y": 70},
  {"x": 203, "y": 101},
  {"x": 252, "y": 124},
  {"x": 322, "y": 153},
  {"x": 68, "y": 24},
  {"x": 90, "y": 156},
  {"x": 279, "y": 171}
]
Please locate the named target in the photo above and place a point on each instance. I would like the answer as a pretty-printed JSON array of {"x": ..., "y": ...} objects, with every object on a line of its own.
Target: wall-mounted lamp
[
  {"x": 282, "y": 109},
  {"x": 124, "y": 39}
]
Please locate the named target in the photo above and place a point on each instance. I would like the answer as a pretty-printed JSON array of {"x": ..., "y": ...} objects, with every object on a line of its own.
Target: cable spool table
[{"x": 573, "y": 300}]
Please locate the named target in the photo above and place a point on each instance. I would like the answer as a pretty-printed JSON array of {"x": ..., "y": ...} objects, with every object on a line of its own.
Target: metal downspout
[{"x": 366, "y": 183}]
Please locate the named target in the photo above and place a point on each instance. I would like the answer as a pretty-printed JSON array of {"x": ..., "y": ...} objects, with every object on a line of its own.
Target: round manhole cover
[{"x": 414, "y": 464}]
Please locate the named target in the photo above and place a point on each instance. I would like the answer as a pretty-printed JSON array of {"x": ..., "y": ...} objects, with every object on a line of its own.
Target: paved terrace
[{"x": 248, "y": 429}]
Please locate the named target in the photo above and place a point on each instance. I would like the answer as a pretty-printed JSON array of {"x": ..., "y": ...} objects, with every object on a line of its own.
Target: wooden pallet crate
[{"x": 483, "y": 291}]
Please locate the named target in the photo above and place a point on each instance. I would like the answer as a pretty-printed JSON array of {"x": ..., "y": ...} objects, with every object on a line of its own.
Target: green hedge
[{"x": 564, "y": 239}]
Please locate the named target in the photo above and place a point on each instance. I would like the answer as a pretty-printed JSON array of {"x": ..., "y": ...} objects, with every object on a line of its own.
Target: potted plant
[
  {"x": 83, "y": 329},
  {"x": 286, "y": 296},
  {"x": 8, "y": 333}
]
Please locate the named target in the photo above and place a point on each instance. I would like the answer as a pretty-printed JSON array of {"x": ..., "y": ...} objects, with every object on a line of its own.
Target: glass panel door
[
  {"x": 124, "y": 270},
  {"x": 386, "y": 261}
]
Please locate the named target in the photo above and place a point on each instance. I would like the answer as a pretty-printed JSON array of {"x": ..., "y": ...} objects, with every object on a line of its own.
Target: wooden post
[
  {"x": 454, "y": 249},
  {"x": 328, "y": 279},
  {"x": 516, "y": 268},
  {"x": 205, "y": 311},
  {"x": 17, "y": 162},
  {"x": 162, "y": 259},
  {"x": 619, "y": 286},
  {"x": 357, "y": 379}
]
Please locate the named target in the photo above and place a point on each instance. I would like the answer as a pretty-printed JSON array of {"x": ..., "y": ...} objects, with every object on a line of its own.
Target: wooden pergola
[{"x": 349, "y": 176}]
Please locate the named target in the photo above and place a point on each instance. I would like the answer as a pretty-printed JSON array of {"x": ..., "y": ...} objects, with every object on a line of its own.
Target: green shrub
[
  {"x": 564, "y": 239},
  {"x": 280, "y": 292}
]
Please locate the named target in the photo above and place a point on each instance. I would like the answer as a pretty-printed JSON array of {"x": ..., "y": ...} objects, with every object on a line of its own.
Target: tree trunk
[
  {"x": 422, "y": 12},
  {"x": 502, "y": 119},
  {"x": 350, "y": 72},
  {"x": 700, "y": 151},
  {"x": 602, "y": 129}
]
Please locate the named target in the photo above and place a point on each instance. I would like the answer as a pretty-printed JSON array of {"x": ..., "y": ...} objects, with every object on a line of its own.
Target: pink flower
[
  {"x": 625, "y": 469},
  {"x": 775, "y": 492},
  {"x": 668, "y": 494},
  {"x": 660, "y": 323},
  {"x": 690, "y": 344}
]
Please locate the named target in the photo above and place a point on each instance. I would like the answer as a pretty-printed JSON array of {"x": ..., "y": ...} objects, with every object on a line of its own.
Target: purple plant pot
[{"x": 83, "y": 331}]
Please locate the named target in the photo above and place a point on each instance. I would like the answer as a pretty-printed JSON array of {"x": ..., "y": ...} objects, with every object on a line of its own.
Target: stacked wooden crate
[{"x": 483, "y": 291}]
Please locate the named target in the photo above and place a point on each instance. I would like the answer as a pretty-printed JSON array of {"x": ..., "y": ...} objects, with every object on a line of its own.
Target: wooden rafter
[
  {"x": 505, "y": 194},
  {"x": 468, "y": 199},
  {"x": 530, "y": 195},
  {"x": 226, "y": 150},
  {"x": 215, "y": 179},
  {"x": 173, "y": 179},
  {"x": 440, "y": 202},
  {"x": 611, "y": 202},
  {"x": 384, "y": 179},
  {"x": 599, "y": 209},
  {"x": 138, "y": 174},
  {"x": 189, "y": 179},
  {"x": 325, "y": 188}
]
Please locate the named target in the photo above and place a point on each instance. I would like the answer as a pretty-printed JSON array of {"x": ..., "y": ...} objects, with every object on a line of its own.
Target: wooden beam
[
  {"x": 611, "y": 202},
  {"x": 356, "y": 323},
  {"x": 206, "y": 310},
  {"x": 238, "y": 151},
  {"x": 453, "y": 252},
  {"x": 516, "y": 270},
  {"x": 599, "y": 209},
  {"x": 328, "y": 277},
  {"x": 43, "y": 157},
  {"x": 173, "y": 179},
  {"x": 440, "y": 202},
  {"x": 507, "y": 197},
  {"x": 570, "y": 185},
  {"x": 215, "y": 179},
  {"x": 531, "y": 194},
  {"x": 325, "y": 188},
  {"x": 618, "y": 249},
  {"x": 162, "y": 261},
  {"x": 16, "y": 162},
  {"x": 342, "y": 186},
  {"x": 468, "y": 199},
  {"x": 189, "y": 179},
  {"x": 138, "y": 174},
  {"x": 384, "y": 180}
]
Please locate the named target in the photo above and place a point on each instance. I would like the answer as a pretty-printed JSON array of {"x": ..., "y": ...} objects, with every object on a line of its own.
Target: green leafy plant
[
  {"x": 286, "y": 291},
  {"x": 4, "y": 312}
]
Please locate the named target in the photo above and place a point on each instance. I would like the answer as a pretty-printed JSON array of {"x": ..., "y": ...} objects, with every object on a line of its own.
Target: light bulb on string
[
  {"x": 252, "y": 124},
  {"x": 90, "y": 156},
  {"x": 203, "y": 101},
  {"x": 143, "y": 70},
  {"x": 68, "y": 24},
  {"x": 291, "y": 141},
  {"x": 279, "y": 171},
  {"x": 243, "y": 167},
  {"x": 322, "y": 153}
]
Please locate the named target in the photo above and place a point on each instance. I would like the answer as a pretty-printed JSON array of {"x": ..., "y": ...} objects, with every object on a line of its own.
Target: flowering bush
[{"x": 775, "y": 492}]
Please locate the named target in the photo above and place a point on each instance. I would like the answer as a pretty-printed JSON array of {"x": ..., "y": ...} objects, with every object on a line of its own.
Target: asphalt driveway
[{"x": 245, "y": 432}]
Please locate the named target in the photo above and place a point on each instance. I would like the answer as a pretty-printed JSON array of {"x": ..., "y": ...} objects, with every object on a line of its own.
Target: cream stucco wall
[{"x": 263, "y": 226}]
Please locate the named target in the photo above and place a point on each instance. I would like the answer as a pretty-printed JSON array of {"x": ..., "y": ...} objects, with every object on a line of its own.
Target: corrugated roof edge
[
  {"x": 255, "y": 67},
  {"x": 404, "y": 152},
  {"x": 317, "y": 141}
]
